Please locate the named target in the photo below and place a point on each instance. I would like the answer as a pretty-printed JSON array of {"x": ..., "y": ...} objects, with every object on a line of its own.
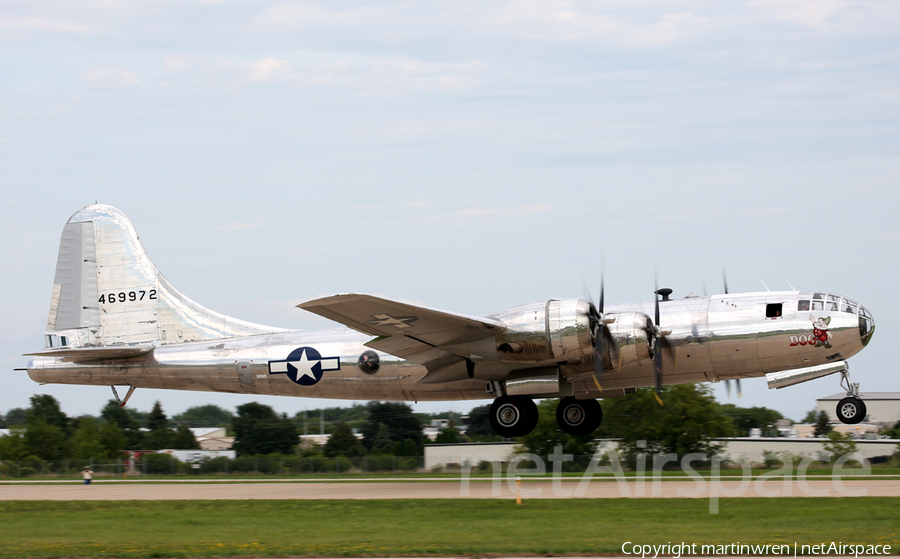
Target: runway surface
[{"x": 531, "y": 489}]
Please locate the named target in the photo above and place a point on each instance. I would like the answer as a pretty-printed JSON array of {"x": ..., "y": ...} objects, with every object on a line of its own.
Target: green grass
[{"x": 430, "y": 527}]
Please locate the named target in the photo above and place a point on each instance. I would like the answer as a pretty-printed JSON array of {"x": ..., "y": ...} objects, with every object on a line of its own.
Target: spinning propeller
[
  {"x": 659, "y": 341},
  {"x": 595, "y": 320},
  {"x": 728, "y": 387}
]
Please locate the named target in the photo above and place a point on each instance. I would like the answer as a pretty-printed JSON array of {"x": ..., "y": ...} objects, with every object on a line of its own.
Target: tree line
[{"x": 687, "y": 423}]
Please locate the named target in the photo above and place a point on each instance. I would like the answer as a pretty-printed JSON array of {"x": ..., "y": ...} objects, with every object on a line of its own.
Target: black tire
[
  {"x": 578, "y": 417},
  {"x": 513, "y": 416},
  {"x": 530, "y": 410},
  {"x": 851, "y": 410}
]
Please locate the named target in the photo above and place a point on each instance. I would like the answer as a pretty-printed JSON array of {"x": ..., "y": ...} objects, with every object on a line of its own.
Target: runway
[{"x": 505, "y": 489}]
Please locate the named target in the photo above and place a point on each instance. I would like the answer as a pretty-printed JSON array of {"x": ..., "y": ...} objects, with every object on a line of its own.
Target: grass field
[{"x": 430, "y": 527}]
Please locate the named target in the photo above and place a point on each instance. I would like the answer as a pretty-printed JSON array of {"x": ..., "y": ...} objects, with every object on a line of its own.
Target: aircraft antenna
[
  {"x": 764, "y": 285},
  {"x": 789, "y": 283}
]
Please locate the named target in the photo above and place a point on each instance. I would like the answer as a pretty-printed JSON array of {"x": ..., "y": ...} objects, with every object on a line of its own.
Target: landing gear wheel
[
  {"x": 513, "y": 416},
  {"x": 851, "y": 410},
  {"x": 579, "y": 417}
]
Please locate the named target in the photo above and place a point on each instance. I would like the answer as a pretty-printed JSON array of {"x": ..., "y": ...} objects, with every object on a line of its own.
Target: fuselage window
[
  {"x": 803, "y": 305},
  {"x": 818, "y": 305},
  {"x": 63, "y": 341},
  {"x": 773, "y": 310}
]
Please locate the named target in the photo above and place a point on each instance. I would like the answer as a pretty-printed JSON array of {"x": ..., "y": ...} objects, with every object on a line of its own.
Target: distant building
[{"x": 882, "y": 408}]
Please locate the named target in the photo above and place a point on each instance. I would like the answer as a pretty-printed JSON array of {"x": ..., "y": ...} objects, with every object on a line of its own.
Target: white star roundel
[{"x": 305, "y": 366}]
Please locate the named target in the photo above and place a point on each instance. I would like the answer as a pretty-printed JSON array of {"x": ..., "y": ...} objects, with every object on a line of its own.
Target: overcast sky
[{"x": 466, "y": 155}]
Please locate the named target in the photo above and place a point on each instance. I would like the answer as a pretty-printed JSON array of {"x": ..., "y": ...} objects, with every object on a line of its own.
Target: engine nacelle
[
  {"x": 630, "y": 342},
  {"x": 556, "y": 331}
]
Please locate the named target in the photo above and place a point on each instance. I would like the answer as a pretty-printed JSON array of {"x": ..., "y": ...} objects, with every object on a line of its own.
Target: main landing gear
[
  {"x": 516, "y": 416},
  {"x": 852, "y": 409}
]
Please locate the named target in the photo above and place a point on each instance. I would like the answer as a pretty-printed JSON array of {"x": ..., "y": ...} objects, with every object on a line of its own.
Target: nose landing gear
[{"x": 850, "y": 410}]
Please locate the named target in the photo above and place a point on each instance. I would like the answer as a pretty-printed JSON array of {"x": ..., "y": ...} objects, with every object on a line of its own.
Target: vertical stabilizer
[{"x": 107, "y": 292}]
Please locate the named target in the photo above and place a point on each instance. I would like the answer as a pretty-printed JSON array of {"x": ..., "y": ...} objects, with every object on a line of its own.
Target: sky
[{"x": 465, "y": 155}]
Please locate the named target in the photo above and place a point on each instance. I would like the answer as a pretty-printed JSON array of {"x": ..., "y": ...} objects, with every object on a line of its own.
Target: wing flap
[{"x": 408, "y": 348}]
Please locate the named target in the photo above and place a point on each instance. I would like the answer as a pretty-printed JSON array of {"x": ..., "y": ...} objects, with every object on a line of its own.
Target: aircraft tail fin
[{"x": 107, "y": 292}]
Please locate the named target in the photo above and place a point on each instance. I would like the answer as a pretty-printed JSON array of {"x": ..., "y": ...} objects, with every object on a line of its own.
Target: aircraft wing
[{"x": 389, "y": 319}]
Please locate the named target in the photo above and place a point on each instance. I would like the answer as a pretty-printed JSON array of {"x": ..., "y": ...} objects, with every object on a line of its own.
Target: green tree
[
  {"x": 45, "y": 409},
  {"x": 810, "y": 417},
  {"x": 745, "y": 419},
  {"x": 15, "y": 416},
  {"x": 400, "y": 421},
  {"x": 406, "y": 447},
  {"x": 382, "y": 444},
  {"x": 259, "y": 430},
  {"x": 112, "y": 439},
  {"x": 547, "y": 435},
  {"x": 686, "y": 423},
  {"x": 86, "y": 441},
  {"x": 838, "y": 445},
  {"x": 209, "y": 415},
  {"x": 12, "y": 446},
  {"x": 45, "y": 441},
  {"x": 480, "y": 428},
  {"x": 448, "y": 436},
  {"x": 343, "y": 442},
  {"x": 183, "y": 439},
  {"x": 114, "y": 413},
  {"x": 159, "y": 435},
  {"x": 823, "y": 425},
  {"x": 893, "y": 432}
]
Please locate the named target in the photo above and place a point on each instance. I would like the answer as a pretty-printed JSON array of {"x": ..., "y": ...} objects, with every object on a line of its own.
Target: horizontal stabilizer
[{"x": 88, "y": 353}]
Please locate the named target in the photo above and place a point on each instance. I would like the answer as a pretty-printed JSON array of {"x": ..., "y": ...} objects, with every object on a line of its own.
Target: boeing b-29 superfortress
[{"x": 116, "y": 321}]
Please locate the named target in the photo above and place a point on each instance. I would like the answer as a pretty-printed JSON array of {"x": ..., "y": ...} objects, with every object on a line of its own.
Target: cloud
[
  {"x": 509, "y": 210},
  {"x": 31, "y": 23},
  {"x": 815, "y": 13},
  {"x": 272, "y": 69},
  {"x": 237, "y": 226},
  {"x": 110, "y": 77}
]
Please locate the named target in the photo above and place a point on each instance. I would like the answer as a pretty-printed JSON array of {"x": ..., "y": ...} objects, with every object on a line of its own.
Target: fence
[{"x": 165, "y": 465}]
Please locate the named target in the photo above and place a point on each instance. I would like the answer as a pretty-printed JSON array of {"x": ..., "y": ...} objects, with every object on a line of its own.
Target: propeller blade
[
  {"x": 724, "y": 280},
  {"x": 739, "y": 391},
  {"x": 600, "y": 303},
  {"x": 728, "y": 387},
  {"x": 657, "y": 368},
  {"x": 598, "y": 356}
]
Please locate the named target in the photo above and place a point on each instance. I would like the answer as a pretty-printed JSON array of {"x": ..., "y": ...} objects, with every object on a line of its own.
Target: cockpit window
[
  {"x": 818, "y": 305},
  {"x": 848, "y": 305},
  {"x": 819, "y": 296},
  {"x": 831, "y": 306},
  {"x": 803, "y": 305}
]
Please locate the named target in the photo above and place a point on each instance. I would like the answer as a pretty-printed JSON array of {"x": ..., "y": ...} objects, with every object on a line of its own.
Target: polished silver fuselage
[{"x": 712, "y": 338}]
